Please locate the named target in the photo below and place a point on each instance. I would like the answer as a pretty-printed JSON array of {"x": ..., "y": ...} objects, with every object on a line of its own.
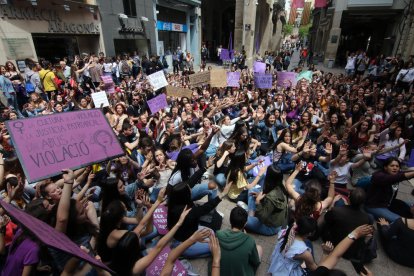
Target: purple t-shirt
[
  {"x": 26, "y": 253},
  {"x": 174, "y": 154}
]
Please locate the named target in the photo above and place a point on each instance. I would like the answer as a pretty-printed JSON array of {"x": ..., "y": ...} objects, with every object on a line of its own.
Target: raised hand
[{"x": 328, "y": 148}]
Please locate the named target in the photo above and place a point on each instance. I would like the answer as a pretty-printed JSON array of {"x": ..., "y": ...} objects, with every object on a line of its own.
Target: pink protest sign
[
  {"x": 233, "y": 79},
  {"x": 47, "y": 144},
  {"x": 259, "y": 67},
  {"x": 157, "y": 103},
  {"x": 107, "y": 79},
  {"x": 160, "y": 219},
  {"x": 49, "y": 235},
  {"x": 286, "y": 79},
  {"x": 155, "y": 268}
]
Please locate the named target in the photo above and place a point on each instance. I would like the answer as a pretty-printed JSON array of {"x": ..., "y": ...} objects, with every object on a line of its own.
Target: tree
[
  {"x": 304, "y": 30},
  {"x": 288, "y": 29}
]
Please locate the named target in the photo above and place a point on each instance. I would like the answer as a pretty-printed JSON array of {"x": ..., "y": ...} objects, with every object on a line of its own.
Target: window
[{"x": 130, "y": 8}]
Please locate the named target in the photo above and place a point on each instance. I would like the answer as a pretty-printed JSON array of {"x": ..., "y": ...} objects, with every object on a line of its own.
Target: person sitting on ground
[{"x": 239, "y": 253}]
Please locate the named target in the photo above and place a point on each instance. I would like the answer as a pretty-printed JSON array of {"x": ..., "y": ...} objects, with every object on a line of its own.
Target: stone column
[
  {"x": 249, "y": 39},
  {"x": 332, "y": 46},
  {"x": 238, "y": 25}
]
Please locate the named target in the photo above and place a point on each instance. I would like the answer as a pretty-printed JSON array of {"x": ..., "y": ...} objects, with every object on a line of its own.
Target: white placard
[
  {"x": 158, "y": 80},
  {"x": 100, "y": 98}
]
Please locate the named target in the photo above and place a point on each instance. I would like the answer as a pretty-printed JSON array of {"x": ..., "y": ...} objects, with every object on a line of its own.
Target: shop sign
[
  {"x": 56, "y": 24},
  {"x": 173, "y": 27}
]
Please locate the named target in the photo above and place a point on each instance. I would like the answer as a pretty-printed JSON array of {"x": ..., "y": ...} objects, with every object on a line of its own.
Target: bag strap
[{"x": 45, "y": 75}]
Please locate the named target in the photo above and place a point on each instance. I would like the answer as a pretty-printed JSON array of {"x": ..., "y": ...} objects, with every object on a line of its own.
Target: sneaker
[{"x": 242, "y": 204}]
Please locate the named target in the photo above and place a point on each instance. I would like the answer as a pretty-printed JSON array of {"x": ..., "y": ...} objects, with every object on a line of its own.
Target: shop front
[{"x": 49, "y": 31}]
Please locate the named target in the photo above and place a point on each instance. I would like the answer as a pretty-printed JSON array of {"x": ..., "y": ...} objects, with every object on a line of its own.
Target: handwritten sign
[
  {"x": 100, "y": 98},
  {"x": 49, "y": 235},
  {"x": 107, "y": 79},
  {"x": 218, "y": 78},
  {"x": 158, "y": 80},
  {"x": 286, "y": 79},
  {"x": 157, "y": 103},
  {"x": 155, "y": 268},
  {"x": 199, "y": 78},
  {"x": 259, "y": 67},
  {"x": 263, "y": 80},
  {"x": 233, "y": 79},
  {"x": 179, "y": 92},
  {"x": 266, "y": 163},
  {"x": 160, "y": 219},
  {"x": 47, "y": 144},
  {"x": 109, "y": 85}
]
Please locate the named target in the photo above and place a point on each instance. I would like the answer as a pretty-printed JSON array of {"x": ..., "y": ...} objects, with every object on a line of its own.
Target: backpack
[
  {"x": 30, "y": 88},
  {"x": 125, "y": 68}
]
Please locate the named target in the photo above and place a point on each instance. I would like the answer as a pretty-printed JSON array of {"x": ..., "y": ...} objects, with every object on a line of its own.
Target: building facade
[
  {"x": 41, "y": 29},
  {"x": 375, "y": 26},
  {"x": 249, "y": 25}
]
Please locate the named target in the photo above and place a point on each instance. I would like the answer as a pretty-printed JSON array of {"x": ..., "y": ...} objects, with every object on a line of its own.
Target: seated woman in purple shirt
[{"x": 382, "y": 193}]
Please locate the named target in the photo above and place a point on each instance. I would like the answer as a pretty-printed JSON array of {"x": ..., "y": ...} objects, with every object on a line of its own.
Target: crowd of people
[{"x": 322, "y": 159}]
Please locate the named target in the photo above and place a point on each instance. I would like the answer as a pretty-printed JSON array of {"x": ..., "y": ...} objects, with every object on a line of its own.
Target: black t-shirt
[
  {"x": 308, "y": 172},
  {"x": 135, "y": 111},
  {"x": 124, "y": 139},
  {"x": 191, "y": 128},
  {"x": 320, "y": 271}
]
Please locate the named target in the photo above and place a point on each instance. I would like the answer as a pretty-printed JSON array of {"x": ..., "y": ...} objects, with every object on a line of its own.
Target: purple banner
[
  {"x": 155, "y": 268},
  {"x": 157, "y": 103},
  {"x": 259, "y": 67},
  {"x": 160, "y": 219},
  {"x": 225, "y": 54},
  {"x": 49, "y": 235},
  {"x": 264, "y": 81},
  {"x": 286, "y": 79},
  {"x": 233, "y": 79},
  {"x": 48, "y": 144}
]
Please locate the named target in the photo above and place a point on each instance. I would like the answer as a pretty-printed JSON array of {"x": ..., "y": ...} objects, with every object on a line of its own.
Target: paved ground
[{"x": 381, "y": 266}]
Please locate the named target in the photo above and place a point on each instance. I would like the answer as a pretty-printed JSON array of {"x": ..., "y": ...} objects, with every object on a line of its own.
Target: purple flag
[
  {"x": 259, "y": 67},
  {"x": 157, "y": 103},
  {"x": 263, "y": 81},
  {"x": 160, "y": 219},
  {"x": 233, "y": 79},
  {"x": 225, "y": 54},
  {"x": 286, "y": 79},
  {"x": 48, "y": 144},
  {"x": 411, "y": 160},
  {"x": 49, "y": 236}
]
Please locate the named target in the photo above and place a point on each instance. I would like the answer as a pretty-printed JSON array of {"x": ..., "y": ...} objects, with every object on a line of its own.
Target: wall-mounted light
[
  {"x": 66, "y": 7},
  {"x": 145, "y": 19},
  {"x": 33, "y": 2}
]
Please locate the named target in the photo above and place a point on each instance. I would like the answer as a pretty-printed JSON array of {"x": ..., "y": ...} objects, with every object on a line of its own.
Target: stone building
[
  {"x": 375, "y": 26},
  {"x": 252, "y": 25}
]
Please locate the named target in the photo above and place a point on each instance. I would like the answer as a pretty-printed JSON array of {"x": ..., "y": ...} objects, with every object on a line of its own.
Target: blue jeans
[
  {"x": 221, "y": 179},
  {"x": 154, "y": 194},
  {"x": 298, "y": 186},
  {"x": 197, "y": 250},
  {"x": 251, "y": 200},
  {"x": 256, "y": 226},
  {"x": 382, "y": 213},
  {"x": 201, "y": 190},
  {"x": 364, "y": 182}
]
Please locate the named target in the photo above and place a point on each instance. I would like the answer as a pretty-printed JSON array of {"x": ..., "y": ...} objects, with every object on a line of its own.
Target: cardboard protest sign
[
  {"x": 259, "y": 67},
  {"x": 109, "y": 85},
  {"x": 157, "y": 103},
  {"x": 47, "y": 144},
  {"x": 263, "y": 80},
  {"x": 266, "y": 163},
  {"x": 225, "y": 54},
  {"x": 199, "y": 79},
  {"x": 155, "y": 268},
  {"x": 100, "y": 98},
  {"x": 218, "y": 78},
  {"x": 179, "y": 92},
  {"x": 158, "y": 80},
  {"x": 286, "y": 79},
  {"x": 233, "y": 79},
  {"x": 307, "y": 75},
  {"x": 49, "y": 235},
  {"x": 160, "y": 219}
]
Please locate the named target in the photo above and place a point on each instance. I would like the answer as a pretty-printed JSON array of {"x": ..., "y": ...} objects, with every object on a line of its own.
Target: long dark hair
[
  {"x": 237, "y": 164},
  {"x": 281, "y": 137},
  {"x": 126, "y": 253},
  {"x": 304, "y": 226},
  {"x": 184, "y": 161},
  {"x": 305, "y": 204},
  {"x": 179, "y": 197},
  {"x": 110, "y": 218},
  {"x": 110, "y": 193},
  {"x": 274, "y": 178}
]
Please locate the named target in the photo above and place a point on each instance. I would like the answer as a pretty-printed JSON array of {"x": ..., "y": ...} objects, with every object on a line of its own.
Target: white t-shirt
[
  {"x": 344, "y": 175},
  {"x": 350, "y": 64}
]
